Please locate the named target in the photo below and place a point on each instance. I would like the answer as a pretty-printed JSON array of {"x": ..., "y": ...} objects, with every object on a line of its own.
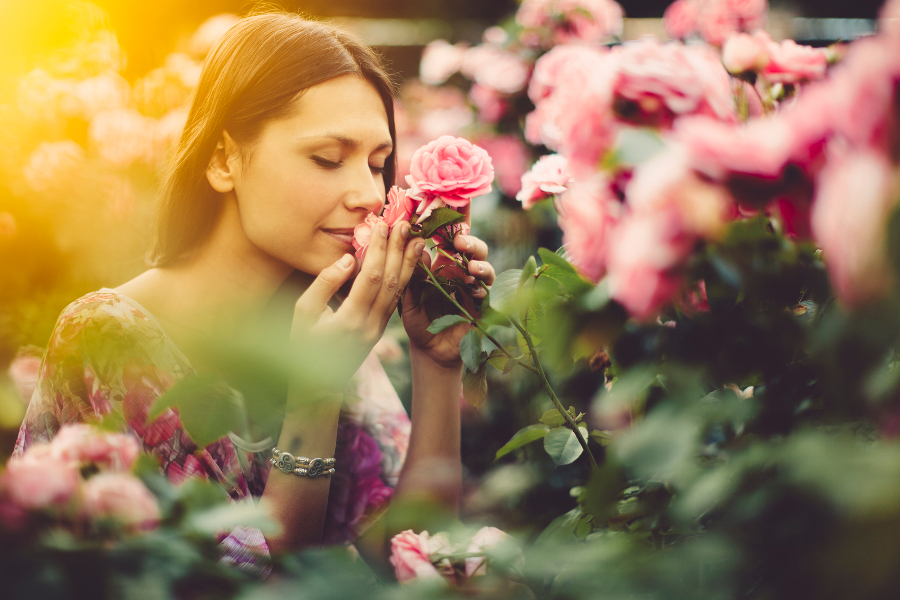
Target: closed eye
[
  {"x": 379, "y": 170},
  {"x": 328, "y": 164}
]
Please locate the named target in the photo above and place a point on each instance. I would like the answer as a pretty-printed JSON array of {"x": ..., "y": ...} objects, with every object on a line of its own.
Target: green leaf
[
  {"x": 208, "y": 407},
  {"x": 551, "y": 258},
  {"x": 445, "y": 322},
  {"x": 637, "y": 145},
  {"x": 562, "y": 445},
  {"x": 523, "y": 436},
  {"x": 604, "y": 438},
  {"x": 503, "y": 293},
  {"x": 470, "y": 350},
  {"x": 440, "y": 218},
  {"x": 528, "y": 270},
  {"x": 553, "y": 418},
  {"x": 475, "y": 387},
  {"x": 575, "y": 283}
]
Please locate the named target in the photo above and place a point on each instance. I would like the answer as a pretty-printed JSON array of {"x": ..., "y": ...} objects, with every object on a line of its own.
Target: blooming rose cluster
[
  {"x": 714, "y": 20},
  {"x": 447, "y": 172},
  {"x": 81, "y": 476},
  {"x": 787, "y": 62},
  {"x": 423, "y": 556},
  {"x": 550, "y": 22}
]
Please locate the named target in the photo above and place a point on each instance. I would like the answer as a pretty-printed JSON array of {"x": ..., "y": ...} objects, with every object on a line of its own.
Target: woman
[{"x": 289, "y": 144}]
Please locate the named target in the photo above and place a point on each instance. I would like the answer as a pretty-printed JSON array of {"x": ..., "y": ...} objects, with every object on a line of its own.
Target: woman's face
[{"x": 312, "y": 176}]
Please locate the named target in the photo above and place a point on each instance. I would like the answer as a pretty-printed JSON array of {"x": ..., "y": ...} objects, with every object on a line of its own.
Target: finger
[
  {"x": 368, "y": 283},
  {"x": 392, "y": 286},
  {"x": 315, "y": 299},
  {"x": 482, "y": 270},
  {"x": 471, "y": 245}
]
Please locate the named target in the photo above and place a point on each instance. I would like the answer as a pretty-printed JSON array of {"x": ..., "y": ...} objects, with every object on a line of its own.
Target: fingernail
[
  {"x": 345, "y": 261},
  {"x": 404, "y": 230},
  {"x": 479, "y": 267},
  {"x": 383, "y": 229},
  {"x": 420, "y": 248},
  {"x": 469, "y": 243}
]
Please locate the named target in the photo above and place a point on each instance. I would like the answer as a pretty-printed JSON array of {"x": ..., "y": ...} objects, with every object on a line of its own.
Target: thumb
[{"x": 314, "y": 300}]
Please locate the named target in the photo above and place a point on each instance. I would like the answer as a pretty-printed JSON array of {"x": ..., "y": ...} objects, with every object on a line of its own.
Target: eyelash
[{"x": 328, "y": 164}]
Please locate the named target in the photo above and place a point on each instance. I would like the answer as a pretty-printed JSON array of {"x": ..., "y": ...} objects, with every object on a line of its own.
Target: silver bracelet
[{"x": 301, "y": 465}]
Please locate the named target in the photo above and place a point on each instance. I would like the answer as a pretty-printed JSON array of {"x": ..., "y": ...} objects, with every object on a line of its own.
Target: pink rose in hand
[
  {"x": 121, "y": 497},
  {"x": 744, "y": 52},
  {"x": 548, "y": 176},
  {"x": 362, "y": 233},
  {"x": 85, "y": 444},
  {"x": 452, "y": 169},
  {"x": 39, "y": 480},
  {"x": 485, "y": 539},
  {"x": 410, "y": 556},
  {"x": 400, "y": 207}
]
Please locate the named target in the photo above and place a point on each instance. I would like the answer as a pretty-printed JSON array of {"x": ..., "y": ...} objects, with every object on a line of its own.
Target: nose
[{"x": 367, "y": 190}]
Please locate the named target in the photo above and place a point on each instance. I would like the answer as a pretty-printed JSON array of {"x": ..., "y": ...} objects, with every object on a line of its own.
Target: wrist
[{"x": 421, "y": 359}]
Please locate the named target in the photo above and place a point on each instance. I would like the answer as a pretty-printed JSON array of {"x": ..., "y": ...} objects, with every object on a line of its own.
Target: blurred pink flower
[
  {"x": 8, "y": 227},
  {"x": 86, "y": 444},
  {"x": 122, "y": 136},
  {"x": 751, "y": 13},
  {"x": 38, "y": 480},
  {"x": 849, "y": 222},
  {"x": 440, "y": 60},
  {"x": 452, "y": 169},
  {"x": 489, "y": 103},
  {"x": 496, "y": 68},
  {"x": 588, "y": 212},
  {"x": 745, "y": 52},
  {"x": 362, "y": 233},
  {"x": 510, "y": 160},
  {"x": 681, "y": 18},
  {"x": 789, "y": 62},
  {"x": 208, "y": 34},
  {"x": 484, "y": 539},
  {"x": 551, "y": 68},
  {"x": 554, "y": 22},
  {"x": 548, "y": 176},
  {"x": 410, "y": 556},
  {"x": 657, "y": 82},
  {"x": 54, "y": 166},
  {"x": 91, "y": 96},
  {"x": 24, "y": 370},
  {"x": 121, "y": 497},
  {"x": 718, "y": 21}
]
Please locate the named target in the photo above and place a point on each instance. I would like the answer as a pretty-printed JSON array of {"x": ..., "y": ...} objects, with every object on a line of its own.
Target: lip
[{"x": 343, "y": 235}]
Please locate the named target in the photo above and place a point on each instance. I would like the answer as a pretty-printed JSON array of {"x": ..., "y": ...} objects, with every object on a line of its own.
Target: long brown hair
[{"x": 251, "y": 76}]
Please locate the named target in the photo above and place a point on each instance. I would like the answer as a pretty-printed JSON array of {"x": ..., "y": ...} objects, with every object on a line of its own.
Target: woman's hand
[
  {"x": 443, "y": 348},
  {"x": 336, "y": 342}
]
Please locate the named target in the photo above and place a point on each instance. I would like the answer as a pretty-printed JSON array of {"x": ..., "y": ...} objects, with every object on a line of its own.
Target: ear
[{"x": 224, "y": 164}]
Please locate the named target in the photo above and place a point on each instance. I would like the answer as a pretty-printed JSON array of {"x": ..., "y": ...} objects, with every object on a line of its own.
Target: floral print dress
[{"x": 109, "y": 356}]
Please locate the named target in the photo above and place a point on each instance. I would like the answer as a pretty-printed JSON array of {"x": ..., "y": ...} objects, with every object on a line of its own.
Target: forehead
[{"x": 348, "y": 104}]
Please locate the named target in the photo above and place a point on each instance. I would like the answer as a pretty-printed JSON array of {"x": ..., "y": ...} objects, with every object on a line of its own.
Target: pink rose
[
  {"x": 510, "y": 160},
  {"x": 718, "y": 22},
  {"x": 362, "y": 233},
  {"x": 452, "y": 169},
  {"x": 534, "y": 14},
  {"x": 489, "y": 103},
  {"x": 588, "y": 212},
  {"x": 25, "y": 369},
  {"x": 751, "y": 13},
  {"x": 548, "y": 176},
  {"x": 39, "y": 480},
  {"x": 681, "y": 18},
  {"x": 587, "y": 21},
  {"x": 657, "y": 82},
  {"x": 743, "y": 52},
  {"x": 792, "y": 63},
  {"x": 410, "y": 556},
  {"x": 400, "y": 207},
  {"x": 551, "y": 68},
  {"x": 495, "y": 68},
  {"x": 121, "y": 497},
  {"x": 86, "y": 444},
  {"x": 484, "y": 539},
  {"x": 849, "y": 222},
  {"x": 440, "y": 60}
]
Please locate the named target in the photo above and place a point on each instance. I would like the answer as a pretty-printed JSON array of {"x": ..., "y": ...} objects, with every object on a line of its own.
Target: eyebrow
[{"x": 348, "y": 142}]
